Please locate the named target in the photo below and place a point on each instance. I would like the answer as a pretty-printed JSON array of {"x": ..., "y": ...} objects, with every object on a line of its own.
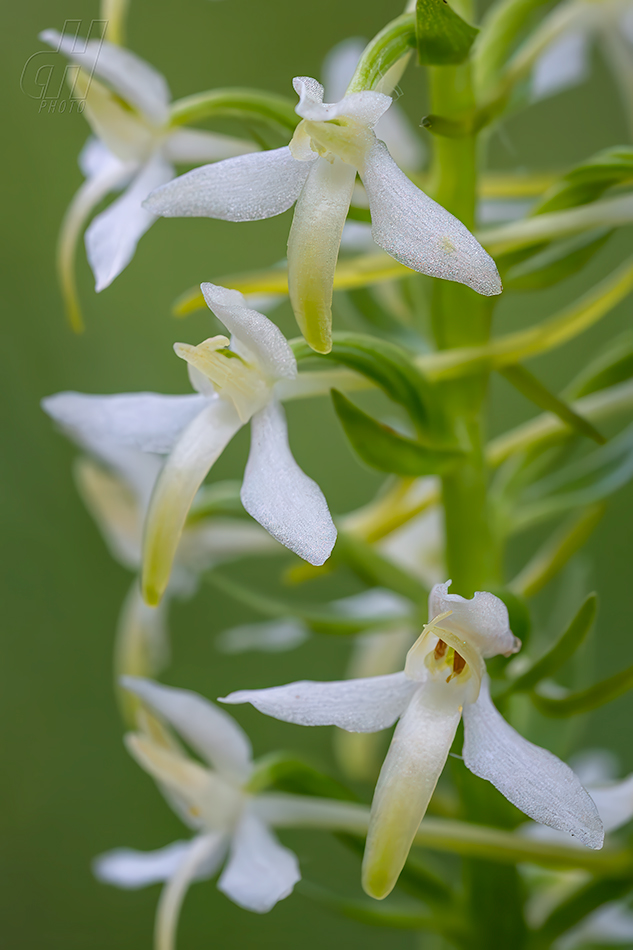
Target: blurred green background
[{"x": 69, "y": 789}]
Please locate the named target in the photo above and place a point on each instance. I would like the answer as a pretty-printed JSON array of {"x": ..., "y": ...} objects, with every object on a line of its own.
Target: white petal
[
  {"x": 261, "y": 338},
  {"x": 414, "y": 763},
  {"x": 130, "y": 869},
  {"x": 200, "y": 444},
  {"x": 112, "y": 237},
  {"x": 130, "y": 76},
  {"x": 210, "y": 731},
  {"x": 614, "y": 803},
  {"x": 366, "y": 107},
  {"x": 313, "y": 244},
  {"x": 418, "y": 232},
  {"x": 531, "y": 778},
  {"x": 204, "y": 852},
  {"x": 247, "y": 188},
  {"x": 196, "y": 145},
  {"x": 272, "y": 636},
  {"x": 483, "y": 621},
  {"x": 95, "y": 159},
  {"x": 280, "y": 496},
  {"x": 564, "y": 63},
  {"x": 260, "y": 871},
  {"x": 361, "y": 705},
  {"x": 147, "y": 421},
  {"x": 374, "y": 602}
]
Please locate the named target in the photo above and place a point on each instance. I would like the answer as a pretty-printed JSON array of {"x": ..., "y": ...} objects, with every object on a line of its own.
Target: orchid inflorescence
[{"x": 367, "y": 241}]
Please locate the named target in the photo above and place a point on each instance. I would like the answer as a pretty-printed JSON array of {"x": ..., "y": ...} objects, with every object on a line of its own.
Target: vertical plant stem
[{"x": 461, "y": 317}]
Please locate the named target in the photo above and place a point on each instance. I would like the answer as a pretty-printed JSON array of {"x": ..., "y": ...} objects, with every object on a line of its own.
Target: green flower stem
[
  {"x": 393, "y": 42},
  {"x": 460, "y": 317},
  {"x": 248, "y": 104}
]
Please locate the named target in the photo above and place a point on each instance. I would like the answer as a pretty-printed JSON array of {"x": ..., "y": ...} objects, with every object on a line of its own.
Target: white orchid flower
[
  {"x": 566, "y": 37},
  {"x": 318, "y": 170},
  {"x": 135, "y": 148},
  {"x": 213, "y": 797},
  {"x": 237, "y": 381},
  {"x": 444, "y": 678}
]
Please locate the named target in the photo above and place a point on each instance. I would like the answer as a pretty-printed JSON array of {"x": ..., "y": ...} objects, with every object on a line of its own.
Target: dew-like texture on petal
[
  {"x": 260, "y": 871},
  {"x": 366, "y": 107},
  {"x": 261, "y": 338},
  {"x": 564, "y": 63},
  {"x": 418, "y": 232},
  {"x": 130, "y": 869},
  {"x": 280, "y": 496},
  {"x": 614, "y": 803},
  {"x": 130, "y": 76},
  {"x": 533, "y": 779},
  {"x": 196, "y": 145},
  {"x": 482, "y": 621},
  {"x": 414, "y": 763},
  {"x": 210, "y": 731},
  {"x": 361, "y": 705},
  {"x": 147, "y": 421},
  {"x": 205, "y": 852},
  {"x": 313, "y": 244},
  {"x": 113, "y": 235},
  {"x": 246, "y": 188},
  {"x": 201, "y": 443},
  {"x": 272, "y": 636}
]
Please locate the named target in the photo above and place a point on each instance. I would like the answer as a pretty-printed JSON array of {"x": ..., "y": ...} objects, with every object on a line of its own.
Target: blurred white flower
[
  {"x": 566, "y": 37},
  {"x": 237, "y": 381},
  {"x": 318, "y": 170},
  {"x": 134, "y": 149},
  {"x": 444, "y": 677},
  {"x": 231, "y": 822}
]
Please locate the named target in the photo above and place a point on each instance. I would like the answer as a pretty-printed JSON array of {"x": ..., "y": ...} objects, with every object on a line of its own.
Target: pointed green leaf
[
  {"x": 588, "y": 180},
  {"x": 555, "y": 263},
  {"x": 537, "y": 393},
  {"x": 443, "y": 37},
  {"x": 575, "y": 634},
  {"x": 384, "y": 363},
  {"x": 383, "y": 448},
  {"x": 586, "y": 700}
]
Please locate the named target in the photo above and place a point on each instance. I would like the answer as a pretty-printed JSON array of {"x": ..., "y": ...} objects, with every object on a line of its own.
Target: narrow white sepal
[
  {"x": 280, "y": 496},
  {"x": 130, "y": 869},
  {"x": 247, "y": 188},
  {"x": 260, "y": 871},
  {"x": 533, "y": 779},
  {"x": 360, "y": 705},
  {"x": 418, "y": 232}
]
